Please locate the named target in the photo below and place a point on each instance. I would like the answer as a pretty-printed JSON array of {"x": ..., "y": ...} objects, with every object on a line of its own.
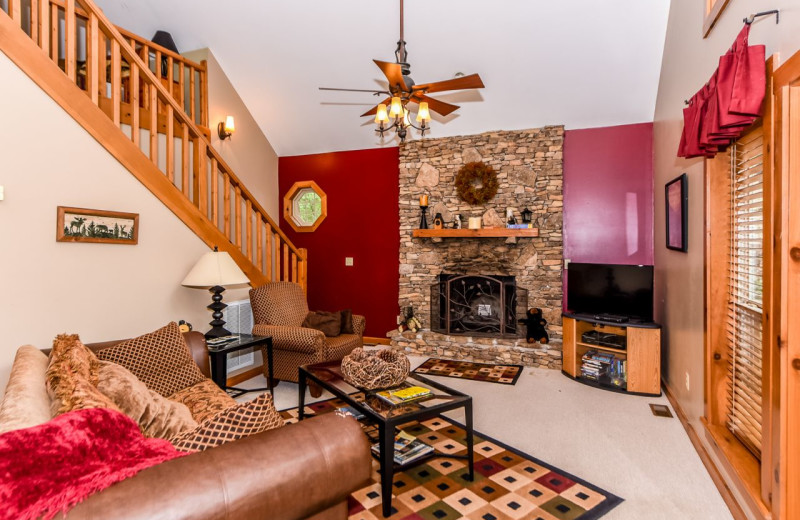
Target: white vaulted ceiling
[{"x": 580, "y": 63}]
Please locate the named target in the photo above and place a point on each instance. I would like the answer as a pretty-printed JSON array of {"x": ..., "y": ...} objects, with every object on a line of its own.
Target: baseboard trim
[
  {"x": 378, "y": 341},
  {"x": 713, "y": 471},
  {"x": 244, "y": 376}
]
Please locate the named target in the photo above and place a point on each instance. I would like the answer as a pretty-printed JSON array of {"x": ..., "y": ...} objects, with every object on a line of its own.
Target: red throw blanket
[{"x": 52, "y": 467}]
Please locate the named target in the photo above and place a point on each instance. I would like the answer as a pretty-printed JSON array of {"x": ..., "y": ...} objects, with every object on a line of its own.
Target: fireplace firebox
[{"x": 483, "y": 305}]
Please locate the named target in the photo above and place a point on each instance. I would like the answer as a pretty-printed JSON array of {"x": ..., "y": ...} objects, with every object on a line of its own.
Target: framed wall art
[
  {"x": 677, "y": 204},
  {"x": 98, "y": 226}
]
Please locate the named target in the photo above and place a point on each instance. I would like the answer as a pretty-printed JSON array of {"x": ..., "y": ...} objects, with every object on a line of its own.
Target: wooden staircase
[{"x": 148, "y": 107}]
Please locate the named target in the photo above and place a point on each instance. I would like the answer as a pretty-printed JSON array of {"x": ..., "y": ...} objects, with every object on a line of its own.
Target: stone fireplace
[{"x": 521, "y": 272}]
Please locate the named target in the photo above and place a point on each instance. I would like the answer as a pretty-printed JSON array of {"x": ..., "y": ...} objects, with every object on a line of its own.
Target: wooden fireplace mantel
[{"x": 476, "y": 233}]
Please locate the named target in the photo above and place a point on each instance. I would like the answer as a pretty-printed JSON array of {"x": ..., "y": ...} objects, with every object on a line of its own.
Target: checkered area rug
[
  {"x": 509, "y": 484},
  {"x": 502, "y": 374}
]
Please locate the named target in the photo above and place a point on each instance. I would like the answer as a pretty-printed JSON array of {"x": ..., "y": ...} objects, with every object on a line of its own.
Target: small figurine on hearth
[
  {"x": 536, "y": 326},
  {"x": 457, "y": 223}
]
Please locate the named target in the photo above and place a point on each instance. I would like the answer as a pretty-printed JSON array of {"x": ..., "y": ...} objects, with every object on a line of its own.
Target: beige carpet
[{"x": 610, "y": 439}]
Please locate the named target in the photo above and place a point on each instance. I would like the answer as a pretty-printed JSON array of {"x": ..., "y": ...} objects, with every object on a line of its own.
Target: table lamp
[{"x": 214, "y": 271}]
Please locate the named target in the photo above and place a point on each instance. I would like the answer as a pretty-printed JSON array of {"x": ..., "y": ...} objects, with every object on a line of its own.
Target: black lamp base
[{"x": 217, "y": 324}]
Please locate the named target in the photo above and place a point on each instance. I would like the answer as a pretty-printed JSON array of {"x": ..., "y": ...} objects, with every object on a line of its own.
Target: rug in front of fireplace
[
  {"x": 502, "y": 374},
  {"x": 508, "y": 485}
]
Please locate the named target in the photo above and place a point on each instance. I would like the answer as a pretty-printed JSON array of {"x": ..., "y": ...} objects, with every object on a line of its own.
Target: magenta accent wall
[{"x": 608, "y": 194}]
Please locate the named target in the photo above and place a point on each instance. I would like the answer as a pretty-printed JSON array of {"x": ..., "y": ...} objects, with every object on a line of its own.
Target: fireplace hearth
[{"x": 484, "y": 305}]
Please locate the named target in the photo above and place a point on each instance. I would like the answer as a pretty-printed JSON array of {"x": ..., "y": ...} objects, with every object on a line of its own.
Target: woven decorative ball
[{"x": 369, "y": 370}]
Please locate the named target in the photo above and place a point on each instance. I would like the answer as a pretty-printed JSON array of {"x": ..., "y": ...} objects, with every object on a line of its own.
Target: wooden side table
[{"x": 219, "y": 362}]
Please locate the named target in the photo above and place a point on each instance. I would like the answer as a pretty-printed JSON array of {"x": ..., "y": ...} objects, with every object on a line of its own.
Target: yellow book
[{"x": 411, "y": 392}]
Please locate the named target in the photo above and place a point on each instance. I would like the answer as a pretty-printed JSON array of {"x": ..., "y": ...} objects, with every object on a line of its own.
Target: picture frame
[
  {"x": 96, "y": 226},
  {"x": 676, "y": 197}
]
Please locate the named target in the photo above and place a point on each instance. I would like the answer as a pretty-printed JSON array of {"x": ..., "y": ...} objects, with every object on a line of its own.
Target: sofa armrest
[
  {"x": 359, "y": 324},
  {"x": 297, "y": 339},
  {"x": 288, "y": 473}
]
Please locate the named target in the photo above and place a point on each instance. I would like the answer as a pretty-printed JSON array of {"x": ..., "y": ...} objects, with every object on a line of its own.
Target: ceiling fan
[{"x": 392, "y": 113}]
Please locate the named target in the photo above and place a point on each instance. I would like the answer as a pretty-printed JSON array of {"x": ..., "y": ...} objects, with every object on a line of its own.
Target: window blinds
[{"x": 745, "y": 274}]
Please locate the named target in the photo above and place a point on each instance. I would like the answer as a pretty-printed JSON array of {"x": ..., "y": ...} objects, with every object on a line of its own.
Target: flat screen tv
[{"x": 621, "y": 290}]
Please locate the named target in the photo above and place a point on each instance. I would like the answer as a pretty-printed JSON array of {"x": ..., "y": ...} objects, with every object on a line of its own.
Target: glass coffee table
[{"x": 388, "y": 417}]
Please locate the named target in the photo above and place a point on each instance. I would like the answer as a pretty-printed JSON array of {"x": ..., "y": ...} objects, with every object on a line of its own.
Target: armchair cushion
[
  {"x": 279, "y": 303},
  {"x": 297, "y": 339},
  {"x": 160, "y": 359}
]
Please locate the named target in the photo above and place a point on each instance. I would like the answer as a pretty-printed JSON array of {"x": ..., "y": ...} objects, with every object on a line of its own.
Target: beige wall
[
  {"x": 689, "y": 61},
  {"x": 247, "y": 152},
  {"x": 101, "y": 291}
]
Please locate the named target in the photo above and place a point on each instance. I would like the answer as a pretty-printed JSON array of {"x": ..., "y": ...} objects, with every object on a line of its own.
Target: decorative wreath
[{"x": 469, "y": 175}]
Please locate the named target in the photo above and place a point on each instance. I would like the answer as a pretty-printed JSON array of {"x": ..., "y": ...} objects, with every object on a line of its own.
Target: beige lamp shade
[{"x": 215, "y": 268}]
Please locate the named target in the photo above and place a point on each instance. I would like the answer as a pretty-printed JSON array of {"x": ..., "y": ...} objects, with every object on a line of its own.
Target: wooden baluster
[
  {"x": 237, "y": 214},
  {"x": 154, "y": 126},
  {"x": 295, "y": 276},
  {"x": 226, "y": 204},
  {"x": 116, "y": 82},
  {"x": 259, "y": 242},
  {"x": 170, "y": 166},
  {"x": 158, "y": 70},
  {"x": 277, "y": 257},
  {"x": 144, "y": 54},
  {"x": 248, "y": 228},
  {"x": 304, "y": 269},
  {"x": 54, "y": 32},
  {"x": 215, "y": 192},
  {"x": 44, "y": 25},
  {"x": 285, "y": 262},
  {"x": 171, "y": 76},
  {"x": 268, "y": 254},
  {"x": 92, "y": 62},
  {"x": 69, "y": 39},
  {"x": 102, "y": 65},
  {"x": 192, "y": 98},
  {"x": 34, "y": 20},
  {"x": 15, "y": 6},
  {"x": 204, "y": 94},
  {"x": 185, "y": 160},
  {"x": 201, "y": 176},
  {"x": 182, "y": 85},
  {"x": 135, "y": 110}
]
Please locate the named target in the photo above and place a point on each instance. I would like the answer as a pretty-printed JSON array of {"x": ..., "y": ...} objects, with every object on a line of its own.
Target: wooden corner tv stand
[{"x": 638, "y": 344}]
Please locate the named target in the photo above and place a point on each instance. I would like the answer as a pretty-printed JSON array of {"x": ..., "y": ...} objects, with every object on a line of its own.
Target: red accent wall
[
  {"x": 608, "y": 195},
  {"x": 363, "y": 222}
]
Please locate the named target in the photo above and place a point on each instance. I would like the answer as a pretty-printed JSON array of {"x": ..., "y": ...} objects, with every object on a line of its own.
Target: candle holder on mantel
[{"x": 423, "y": 219}]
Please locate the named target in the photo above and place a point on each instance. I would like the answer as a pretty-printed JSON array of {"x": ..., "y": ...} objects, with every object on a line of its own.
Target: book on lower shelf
[
  {"x": 604, "y": 367},
  {"x": 407, "y": 448},
  {"x": 350, "y": 411}
]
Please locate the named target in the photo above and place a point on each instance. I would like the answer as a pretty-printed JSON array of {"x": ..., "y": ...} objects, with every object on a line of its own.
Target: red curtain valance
[{"x": 729, "y": 103}]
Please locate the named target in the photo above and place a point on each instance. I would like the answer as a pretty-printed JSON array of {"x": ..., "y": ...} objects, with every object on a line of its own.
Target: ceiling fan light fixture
[
  {"x": 396, "y": 109},
  {"x": 406, "y": 122},
  {"x": 381, "y": 116},
  {"x": 424, "y": 113}
]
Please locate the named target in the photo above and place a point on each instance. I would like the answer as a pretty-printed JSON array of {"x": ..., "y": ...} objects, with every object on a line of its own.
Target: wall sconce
[{"x": 226, "y": 128}]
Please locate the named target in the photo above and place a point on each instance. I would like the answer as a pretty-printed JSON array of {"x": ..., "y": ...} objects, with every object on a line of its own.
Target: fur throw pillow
[
  {"x": 330, "y": 323},
  {"x": 157, "y": 416},
  {"x": 233, "y": 423}
]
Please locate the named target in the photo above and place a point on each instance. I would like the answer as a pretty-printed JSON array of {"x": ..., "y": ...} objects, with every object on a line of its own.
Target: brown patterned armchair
[{"x": 279, "y": 309}]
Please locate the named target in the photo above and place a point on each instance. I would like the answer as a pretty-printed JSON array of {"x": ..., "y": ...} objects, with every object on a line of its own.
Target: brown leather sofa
[{"x": 300, "y": 471}]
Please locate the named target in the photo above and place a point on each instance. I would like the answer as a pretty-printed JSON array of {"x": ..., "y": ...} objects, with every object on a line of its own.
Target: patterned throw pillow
[
  {"x": 161, "y": 360},
  {"x": 71, "y": 375},
  {"x": 236, "y": 422},
  {"x": 204, "y": 400},
  {"x": 157, "y": 416},
  {"x": 25, "y": 402}
]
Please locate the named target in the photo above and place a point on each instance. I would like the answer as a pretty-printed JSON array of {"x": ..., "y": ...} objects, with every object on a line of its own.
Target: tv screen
[{"x": 622, "y": 290}]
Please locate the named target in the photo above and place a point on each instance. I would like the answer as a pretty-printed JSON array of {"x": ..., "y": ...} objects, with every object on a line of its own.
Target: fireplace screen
[{"x": 476, "y": 305}]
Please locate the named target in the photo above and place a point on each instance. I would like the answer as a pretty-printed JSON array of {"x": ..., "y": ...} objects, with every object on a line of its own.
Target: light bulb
[
  {"x": 405, "y": 117},
  {"x": 424, "y": 114},
  {"x": 230, "y": 127},
  {"x": 380, "y": 115},
  {"x": 396, "y": 109}
]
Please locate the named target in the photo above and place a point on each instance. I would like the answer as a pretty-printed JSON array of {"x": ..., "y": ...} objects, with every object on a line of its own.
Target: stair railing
[{"x": 154, "y": 121}]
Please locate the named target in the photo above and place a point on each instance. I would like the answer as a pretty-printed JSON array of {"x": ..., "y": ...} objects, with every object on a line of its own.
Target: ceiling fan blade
[
  {"x": 393, "y": 73},
  {"x": 462, "y": 83},
  {"x": 440, "y": 107},
  {"x": 374, "y": 110},
  {"x": 376, "y": 92}
]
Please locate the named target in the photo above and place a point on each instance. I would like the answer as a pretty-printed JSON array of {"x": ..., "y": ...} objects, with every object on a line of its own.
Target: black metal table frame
[
  {"x": 388, "y": 425},
  {"x": 219, "y": 364}
]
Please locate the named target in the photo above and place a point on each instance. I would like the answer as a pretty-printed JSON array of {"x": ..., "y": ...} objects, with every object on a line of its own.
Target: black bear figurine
[{"x": 536, "y": 327}]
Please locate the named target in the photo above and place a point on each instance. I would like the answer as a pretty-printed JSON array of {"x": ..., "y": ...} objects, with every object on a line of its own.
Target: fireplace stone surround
[{"x": 530, "y": 174}]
